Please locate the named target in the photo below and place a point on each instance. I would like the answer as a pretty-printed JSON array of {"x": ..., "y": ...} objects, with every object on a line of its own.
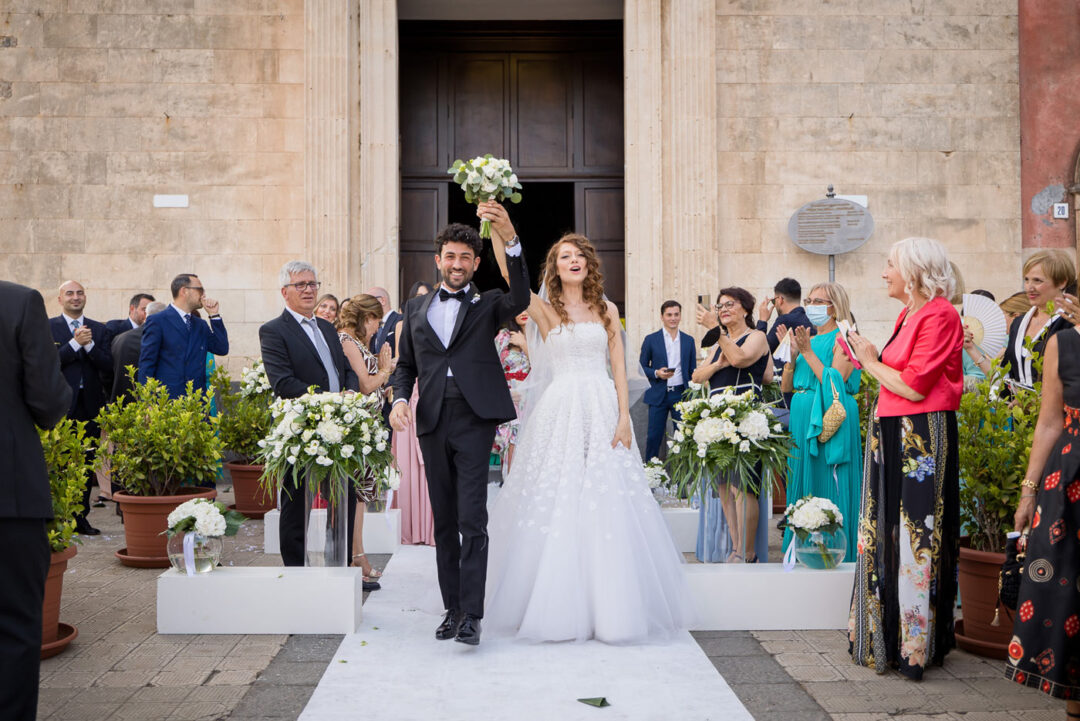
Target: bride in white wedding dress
[{"x": 578, "y": 548}]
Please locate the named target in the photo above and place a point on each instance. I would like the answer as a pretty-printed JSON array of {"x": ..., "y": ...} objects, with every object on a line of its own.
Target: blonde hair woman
[
  {"x": 357, "y": 321},
  {"x": 902, "y": 604},
  {"x": 818, "y": 373}
]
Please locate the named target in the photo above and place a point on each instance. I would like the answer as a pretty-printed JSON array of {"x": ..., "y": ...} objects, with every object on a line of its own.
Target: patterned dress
[
  {"x": 366, "y": 491},
  {"x": 1045, "y": 648},
  {"x": 515, "y": 364}
]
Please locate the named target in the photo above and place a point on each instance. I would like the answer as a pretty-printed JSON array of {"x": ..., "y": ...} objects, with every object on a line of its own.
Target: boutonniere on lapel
[{"x": 475, "y": 299}]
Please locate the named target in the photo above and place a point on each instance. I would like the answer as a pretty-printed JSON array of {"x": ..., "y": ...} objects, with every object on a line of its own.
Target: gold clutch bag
[{"x": 833, "y": 419}]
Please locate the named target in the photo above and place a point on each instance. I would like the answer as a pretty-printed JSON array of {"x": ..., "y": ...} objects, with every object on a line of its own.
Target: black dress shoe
[
  {"x": 449, "y": 627},
  {"x": 83, "y": 528},
  {"x": 469, "y": 630},
  {"x": 371, "y": 585}
]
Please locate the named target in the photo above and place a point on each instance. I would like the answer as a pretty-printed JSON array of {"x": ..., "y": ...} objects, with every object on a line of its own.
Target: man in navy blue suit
[
  {"x": 86, "y": 362},
  {"x": 176, "y": 340},
  {"x": 668, "y": 359},
  {"x": 135, "y": 317}
]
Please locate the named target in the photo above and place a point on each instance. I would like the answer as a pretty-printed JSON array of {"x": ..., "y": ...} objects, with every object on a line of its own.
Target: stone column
[
  {"x": 691, "y": 263},
  {"x": 327, "y": 147},
  {"x": 379, "y": 188},
  {"x": 642, "y": 98}
]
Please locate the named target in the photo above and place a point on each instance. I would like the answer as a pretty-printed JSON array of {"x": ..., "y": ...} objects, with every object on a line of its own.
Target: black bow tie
[{"x": 445, "y": 295}]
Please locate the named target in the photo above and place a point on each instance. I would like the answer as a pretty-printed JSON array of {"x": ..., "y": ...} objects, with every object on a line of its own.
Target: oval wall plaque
[{"x": 830, "y": 226}]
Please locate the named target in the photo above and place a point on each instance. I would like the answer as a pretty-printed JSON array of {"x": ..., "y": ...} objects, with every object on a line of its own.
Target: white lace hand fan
[{"x": 986, "y": 322}]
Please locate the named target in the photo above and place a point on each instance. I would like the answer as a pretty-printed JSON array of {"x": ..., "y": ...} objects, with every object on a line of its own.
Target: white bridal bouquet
[
  {"x": 205, "y": 517},
  {"x": 326, "y": 436},
  {"x": 485, "y": 178},
  {"x": 726, "y": 432}
]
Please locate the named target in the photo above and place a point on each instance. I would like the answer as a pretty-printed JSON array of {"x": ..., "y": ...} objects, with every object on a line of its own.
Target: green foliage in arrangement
[
  {"x": 65, "y": 448},
  {"x": 996, "y": 430},
  {"x": 243, "y": 420},
  {"x": 867, "y": 396},
  {"x": 161, "y": 444}
]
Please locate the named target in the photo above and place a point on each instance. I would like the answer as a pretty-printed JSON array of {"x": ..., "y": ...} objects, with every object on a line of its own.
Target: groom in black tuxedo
[{"x": 447, "y": 343}]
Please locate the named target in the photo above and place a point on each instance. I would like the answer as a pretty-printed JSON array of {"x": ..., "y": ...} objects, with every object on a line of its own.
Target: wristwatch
[
  {"x": 215, "y": 315},
  {"x": 512, "y": 242}
]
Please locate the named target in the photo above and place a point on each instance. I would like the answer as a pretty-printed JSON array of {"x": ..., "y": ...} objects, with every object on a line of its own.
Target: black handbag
[{"x": 1011, "y": 573}]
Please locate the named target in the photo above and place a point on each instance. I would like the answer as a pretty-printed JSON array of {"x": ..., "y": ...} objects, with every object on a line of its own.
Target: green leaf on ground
[{"x": 598, "y": 702}]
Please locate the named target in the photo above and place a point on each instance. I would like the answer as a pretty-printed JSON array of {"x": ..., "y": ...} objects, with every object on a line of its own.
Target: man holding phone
[{"x": 668, "y": 360}]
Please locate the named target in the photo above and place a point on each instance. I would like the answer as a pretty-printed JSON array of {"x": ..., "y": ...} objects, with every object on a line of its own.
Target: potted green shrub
[
  {"x": 995, "y": 432},
  {"x": 161, "y": 446},
  {"x": 65, "y": 448},
  {"x": 244, "y": 419}
]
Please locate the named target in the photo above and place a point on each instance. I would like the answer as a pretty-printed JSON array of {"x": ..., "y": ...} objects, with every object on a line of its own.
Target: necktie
[
  {"x": 444, "y": 295},
  {"x": 324, "y": 356},
  {"x": 74, "y": 327},
  {"x": 187, "y": 321}
]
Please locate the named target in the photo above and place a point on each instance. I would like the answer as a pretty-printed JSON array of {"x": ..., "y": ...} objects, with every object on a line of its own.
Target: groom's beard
[{"x": 464, "y": 280}]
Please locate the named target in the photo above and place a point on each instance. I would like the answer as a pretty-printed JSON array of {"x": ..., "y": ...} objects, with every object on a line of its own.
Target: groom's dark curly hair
[{"x": 459, "y": 233}]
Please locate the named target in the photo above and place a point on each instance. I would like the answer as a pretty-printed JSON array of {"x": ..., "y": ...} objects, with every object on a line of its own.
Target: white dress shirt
[
  {"x": 74, "y": 343},
  {"x": 303, "y": 321},
  {"x": 674, "y": 357}
]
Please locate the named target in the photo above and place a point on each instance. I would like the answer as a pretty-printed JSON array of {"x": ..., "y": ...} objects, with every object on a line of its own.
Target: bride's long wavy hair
[{"x": 592, "y": 289}]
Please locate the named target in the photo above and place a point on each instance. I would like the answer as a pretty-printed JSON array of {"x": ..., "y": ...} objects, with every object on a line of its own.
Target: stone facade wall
[
  {"x": 104, "y": 103},
  {"x": 912, "y": 104}
]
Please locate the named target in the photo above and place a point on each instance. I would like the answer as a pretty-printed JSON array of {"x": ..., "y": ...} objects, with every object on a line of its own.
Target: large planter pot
[
  {"x": 145, "y": 523},
  {"x": 56, "y": 636},
  {"x": 250, "y": 498},
  {"x": 978, "y": 581}
]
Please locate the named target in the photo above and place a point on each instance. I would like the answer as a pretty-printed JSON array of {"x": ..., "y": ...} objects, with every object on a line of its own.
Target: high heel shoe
[{"x": 371, "y": 573}]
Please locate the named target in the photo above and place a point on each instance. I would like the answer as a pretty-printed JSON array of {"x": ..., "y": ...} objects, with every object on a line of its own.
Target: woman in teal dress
[{"x": 818, "y": 367}]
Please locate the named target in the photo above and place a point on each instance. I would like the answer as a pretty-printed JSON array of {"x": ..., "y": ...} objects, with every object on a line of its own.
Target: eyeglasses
[
  {"x": 816, "y": 301},
  {"x": 196, "y": 287},
  {"x": 725, "y": 306},
  {"x": 304, "y": 285}
]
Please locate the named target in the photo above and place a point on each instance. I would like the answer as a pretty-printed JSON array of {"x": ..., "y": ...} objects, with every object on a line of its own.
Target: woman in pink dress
[{"x": 417, "y": 525}]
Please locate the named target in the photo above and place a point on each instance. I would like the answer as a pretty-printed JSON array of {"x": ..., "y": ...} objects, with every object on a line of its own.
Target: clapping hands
[{"x": 863, "y": 349}]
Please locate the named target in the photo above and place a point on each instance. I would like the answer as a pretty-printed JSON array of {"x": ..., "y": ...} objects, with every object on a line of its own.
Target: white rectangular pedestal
[
  {"x": 382, "y": 531},
  {"x": 260, "y": 600},
  {"x": 765, "y": 597},
  {"x": 683, "y": 523}
]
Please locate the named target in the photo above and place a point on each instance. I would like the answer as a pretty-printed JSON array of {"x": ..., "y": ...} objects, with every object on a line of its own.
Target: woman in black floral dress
[{"x": 1045, "y": 649}]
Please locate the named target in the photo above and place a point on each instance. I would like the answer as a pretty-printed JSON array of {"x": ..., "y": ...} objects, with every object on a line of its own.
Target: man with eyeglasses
[
  {"x": 176, "y": 340},
  {"x": 300, "y": 350}
]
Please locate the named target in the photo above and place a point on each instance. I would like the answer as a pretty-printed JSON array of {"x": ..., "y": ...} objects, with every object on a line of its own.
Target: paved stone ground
[{"x": 120, "y": 668}]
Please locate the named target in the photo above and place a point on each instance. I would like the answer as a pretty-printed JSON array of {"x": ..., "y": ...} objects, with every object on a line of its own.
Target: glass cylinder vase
[
  {"x": 820, "y": 549},
  {"x": 201, "y": 556},
  {"x": 325, "y": 526}
]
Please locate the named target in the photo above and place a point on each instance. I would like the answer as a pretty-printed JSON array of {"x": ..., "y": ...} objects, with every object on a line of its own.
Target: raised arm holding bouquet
[{"x": 486, "y": 178}]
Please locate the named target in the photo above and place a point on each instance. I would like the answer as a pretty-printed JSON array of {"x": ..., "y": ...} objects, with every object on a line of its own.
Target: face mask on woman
[{"x": 818, "y": 314}]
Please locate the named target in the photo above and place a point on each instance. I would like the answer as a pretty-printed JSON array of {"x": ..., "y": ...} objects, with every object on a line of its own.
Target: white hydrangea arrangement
[
  {"x": 725, "y": 432},
  {"x": 812, "y": 514},
  {"x": 254, "y": 382},
  {"x": 205, "y": 517},
  {"x": 656, "y": 474},
  {"x": 327, "y": 436},
  {"x": 485, "y": 178}
]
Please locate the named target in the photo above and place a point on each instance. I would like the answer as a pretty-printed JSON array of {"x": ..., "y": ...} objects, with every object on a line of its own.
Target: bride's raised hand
[{"x": 622, "y": 433}]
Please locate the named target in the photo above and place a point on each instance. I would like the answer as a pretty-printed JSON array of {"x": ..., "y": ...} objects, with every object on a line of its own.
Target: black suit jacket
[
  {"x": 471, "y": 355},
  {"x": 32, "y": 392},
  {"x": 292, "y": 362},
  {"x": 125, "y": 352},
  {"x": 386, "y": 334},
  {"x": 93, "y": 368},
  {"x": 118, "y": 326}
]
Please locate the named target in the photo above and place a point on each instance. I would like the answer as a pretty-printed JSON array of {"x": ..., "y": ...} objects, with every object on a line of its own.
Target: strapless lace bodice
[{"x": 578, "y": 349}]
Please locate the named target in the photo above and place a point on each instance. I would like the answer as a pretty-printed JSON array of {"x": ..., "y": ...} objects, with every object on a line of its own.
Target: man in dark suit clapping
[
  {"x": 300, "y": 350},
  {"x": 34, "y": 392},
  {"x": 86, "y": 362}
]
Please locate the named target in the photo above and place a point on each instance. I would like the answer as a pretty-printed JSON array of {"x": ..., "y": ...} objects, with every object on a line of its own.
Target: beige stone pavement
[{"x": 120, "y": 668}]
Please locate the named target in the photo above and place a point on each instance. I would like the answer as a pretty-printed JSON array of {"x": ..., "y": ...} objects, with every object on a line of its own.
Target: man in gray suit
[{"x": 33, "y": 392}]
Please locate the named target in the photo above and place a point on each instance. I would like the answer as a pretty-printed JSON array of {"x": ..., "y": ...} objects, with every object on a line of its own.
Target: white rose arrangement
[
  {"x": 485, "y": 178},
  {"x": 725, "y": 432},
  {"x": 254, "y": 382},
  {"x": 809, "y": 518},
  {"x": 656, "y": 474},
  {"x": 205, "y": 517},
  {"x": 327, "y": 436}
]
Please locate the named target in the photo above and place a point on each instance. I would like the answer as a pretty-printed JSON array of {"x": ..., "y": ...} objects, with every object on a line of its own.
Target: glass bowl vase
[
  {"x": 821, "y": 549},
  {"x": 206, "y": 552}
]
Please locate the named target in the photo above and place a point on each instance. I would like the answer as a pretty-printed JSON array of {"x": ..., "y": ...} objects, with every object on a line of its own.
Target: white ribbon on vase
[{"x": 189, "y": 553}]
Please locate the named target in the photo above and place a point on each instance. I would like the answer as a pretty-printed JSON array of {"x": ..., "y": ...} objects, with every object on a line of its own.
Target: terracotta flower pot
[
  {"x": 250, "y": 498},
  {"x": 145, "y": 522},
  {"x": 50, "y": 609},
  {"x": 978, "y": 580}
]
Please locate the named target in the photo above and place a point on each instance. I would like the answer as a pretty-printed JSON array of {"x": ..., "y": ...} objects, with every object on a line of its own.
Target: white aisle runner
[{"x": 394, "y": 669}]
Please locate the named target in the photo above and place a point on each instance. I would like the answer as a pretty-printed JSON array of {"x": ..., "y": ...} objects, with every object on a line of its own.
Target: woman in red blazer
[{"x": 905, "y": 576}]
